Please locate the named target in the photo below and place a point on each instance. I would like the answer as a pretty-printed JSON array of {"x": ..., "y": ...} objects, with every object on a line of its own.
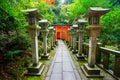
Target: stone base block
[
  {"x": 71, "y": 48},
  {"x": 35, "y": 70},
  {"x": 45, "y": 57},
  {"x": 80, "y": 57},
  {"x": 91, "y": 72},
  {"x": 74, "y": 51},
  {"x": 52, "y": 48}
]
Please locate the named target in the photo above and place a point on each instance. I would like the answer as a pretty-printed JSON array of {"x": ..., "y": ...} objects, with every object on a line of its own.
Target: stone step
[{"x": 35, "y": 70}]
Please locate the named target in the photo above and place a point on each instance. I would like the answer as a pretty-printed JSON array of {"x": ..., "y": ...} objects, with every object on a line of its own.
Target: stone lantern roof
[
  {"x": 51, "y": 27},
  {"x": 33, "y": 12},
  {"x": 75, "y": 26},
  {"x": 82, "y": 21},
  {"x": 43, "y": 21},
  {"x": 97, "y": 10}
]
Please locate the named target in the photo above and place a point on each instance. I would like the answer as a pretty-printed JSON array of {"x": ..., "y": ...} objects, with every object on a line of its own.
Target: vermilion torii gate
[{"x": 61, "y": 32}]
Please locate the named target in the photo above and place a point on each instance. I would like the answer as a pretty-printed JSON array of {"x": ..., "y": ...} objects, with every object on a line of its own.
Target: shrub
[{"x": 10, "y": 54}]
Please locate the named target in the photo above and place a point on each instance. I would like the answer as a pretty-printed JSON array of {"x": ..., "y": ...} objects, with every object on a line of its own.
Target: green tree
[
  {"x": 111, "y": 28},
  {"x": 46, "y": 11}
]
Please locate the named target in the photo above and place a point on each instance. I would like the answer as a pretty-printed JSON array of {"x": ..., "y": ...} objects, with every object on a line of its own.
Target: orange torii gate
[
  {"x": 50, "y": 2},
  {"x": 61, "y": 32}
]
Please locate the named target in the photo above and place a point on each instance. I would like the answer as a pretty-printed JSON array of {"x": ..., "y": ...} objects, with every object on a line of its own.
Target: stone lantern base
[
  {"x": 80, "y": 57},
  {"x": 45, "y": 56},
  {"x": 67, "y": 43},
  {"x": 54, "y": 45},
  {"x": 71, "y": 48},
  {"x": 35, "y": 70},
  {"x": 91, "y": 72},
  {"x": 52, "y": 48},
  {"x": 74, "y": 51}
]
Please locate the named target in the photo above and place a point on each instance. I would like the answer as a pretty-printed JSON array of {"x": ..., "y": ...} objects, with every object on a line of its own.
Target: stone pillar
[
  {"x": 44, "y": 31},
  {"x": 80, "y": 43},
  {"x": 44, "y": 35},
  {"x": 52, "y": 41},
  {"x": 52, "y": 37},
  {"x": 34, "y": 37},
  {"x": 36, "y": 67},
  {"x": 81, "y": 27},
  {"x": 74, "y": 39},
  {"x": 98, "y": 53},
  {"x": 70, "y": 37},
  {"x": 94, "y": 29},
  {"x": 92, "y": 52}
]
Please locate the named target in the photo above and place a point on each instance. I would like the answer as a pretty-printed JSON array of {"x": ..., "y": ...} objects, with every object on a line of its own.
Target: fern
[{"x": 11, "y": 54}]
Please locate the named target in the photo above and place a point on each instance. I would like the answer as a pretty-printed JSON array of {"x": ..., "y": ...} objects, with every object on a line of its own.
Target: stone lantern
[
  {"x": 52, "y": 36},
  {"x": 44, "y": 31},
  {"x": 36, "y": 67},
  {"x": 94, "y": 29},
  {"x": 81, "y": 27},
  {"x": 74, "y": 33}
]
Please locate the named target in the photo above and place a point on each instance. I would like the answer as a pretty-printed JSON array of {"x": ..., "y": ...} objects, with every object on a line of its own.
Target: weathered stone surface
[
  {"x": 58, "y": 59},
  {"x": 66, "y": 59},
  {"x": 62, "y": 67},
  {"x": 69, "y": 76},
  {"x": 56, "y": 77},
  {"x": 57, "y": 68},
  {"x": 67, "y": 66}
]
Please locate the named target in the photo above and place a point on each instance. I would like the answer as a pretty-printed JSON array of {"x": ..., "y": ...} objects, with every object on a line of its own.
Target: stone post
[
  {"x": 117, "y": 65},
  {"x": 98, "y": 53},
  {"x": 81, "y": 27},
  {"x": 34, "y": 37},
  {"x": 36, "y": 67},
  {"x": 52, "y": 36},
  {"x": 94, "y": 29},
  {"x": 44, "y": 31},
  {"x": 74, "y": 39},
  {"x": 70, "y": 38}
]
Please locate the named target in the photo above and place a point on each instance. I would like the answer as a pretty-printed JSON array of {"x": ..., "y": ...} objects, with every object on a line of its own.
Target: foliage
[
  {"x": 57, "y": 2},
  {"x": 111, "y": 47},
  {"x": 112, "y": 61},
  {"x": 10, "y": 18},
  {"x": 72, "y": 12},
  {"x": 11, "y": 54},
  {"x": 56, "y": 10},
  {"x": 68, "y": 1},
  {"x": 80, "y": 7},
  {"x": 111, "y": 29},
  {"x": 14, "y": 37},
  {"x": 110, "y": 22},
  {"x": 14, "y": 70},
  {"x": 40, "y": 47},
  {"x": 46, "y": 10}
]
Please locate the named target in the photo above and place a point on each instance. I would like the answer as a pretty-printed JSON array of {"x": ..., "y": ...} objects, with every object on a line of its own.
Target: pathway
[{"x": 62, "y": 67}]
